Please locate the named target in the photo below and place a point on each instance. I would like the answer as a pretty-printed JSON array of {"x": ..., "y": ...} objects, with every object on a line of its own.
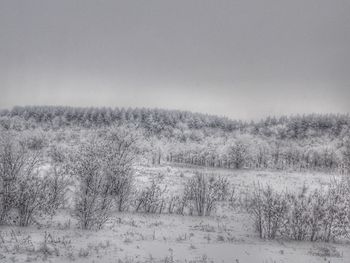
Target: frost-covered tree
[{"x": 239, "y": 153}]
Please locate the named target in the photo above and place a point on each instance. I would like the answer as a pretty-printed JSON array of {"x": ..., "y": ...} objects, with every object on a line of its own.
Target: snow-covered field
[
  {"x": 173, "y": 177},
  {"x": 225, "y": 236}
]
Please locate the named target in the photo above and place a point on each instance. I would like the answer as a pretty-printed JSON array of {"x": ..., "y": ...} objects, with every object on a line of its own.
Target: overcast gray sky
[{"x": 239, "y": 58}]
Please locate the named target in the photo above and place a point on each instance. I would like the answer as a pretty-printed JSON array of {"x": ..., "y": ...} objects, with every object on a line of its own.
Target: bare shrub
[
  {"x": 34, "y": 140},
  {"x": 151, "y": 199},
  {"x": 299, "y": 218},
  {"x": 179, "y": 204},
  {"x": 336, "y": 212},
  {"x": 121, "y": 151},
  {"x": 183, "y": 202},
  {"x": 321, "y": 215},
  {"x": 93, "y": 200},
  {"x": 268, "y": 210},
  {"x": 204, "y": 192},
  {"x": 124, "y": 191},
  {"x": 57, "y": 154},
  {"x": 172, "y": 203},
  {"x": 23, "y": 190},
  {"x": 103, "y": 167},
  {"x": 13, "y": 163},
  {"x": 58, "y": 176},
  {"x": 58, "y": 183},
  {"x": 31, "y": 197}
]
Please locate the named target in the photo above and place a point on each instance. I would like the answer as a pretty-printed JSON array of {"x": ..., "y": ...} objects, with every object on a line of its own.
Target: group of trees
[{"x": 257, "y": 153}]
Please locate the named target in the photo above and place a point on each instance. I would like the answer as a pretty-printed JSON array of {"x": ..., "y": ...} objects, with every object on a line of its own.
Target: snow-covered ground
[
  {"x": 242, "y": 180},
  {"x": 225, "y": 236}
]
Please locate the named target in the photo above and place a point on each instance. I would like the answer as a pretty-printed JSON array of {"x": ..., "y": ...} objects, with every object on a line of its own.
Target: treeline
[
  {"x": 153, "y": 120},
  {"x": 247, "y": 151},
  {"x": 307, "y": 142},
  {"x": 170, "y": 123}
]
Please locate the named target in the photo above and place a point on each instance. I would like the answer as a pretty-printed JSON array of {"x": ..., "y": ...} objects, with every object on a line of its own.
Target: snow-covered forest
[
  {"x": 68, "y": 170},
  {"x": 307, "y": 142}
]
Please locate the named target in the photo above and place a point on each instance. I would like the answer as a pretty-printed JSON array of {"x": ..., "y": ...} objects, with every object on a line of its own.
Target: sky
[{"x": 242, "y": 59}]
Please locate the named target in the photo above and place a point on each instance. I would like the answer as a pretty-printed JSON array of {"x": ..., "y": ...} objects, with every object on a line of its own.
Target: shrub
[
  {"x": 321, "y": 215},
  {"x": 268, "y": 210},
  {"x": 31, "y": 197},
  {"x": 173, "y": 203},
  {"x": 203, "y": 193},
  {"x": 336, "y": 212},
  {"x": 121, "y": 149},
  {"x": 103, "y": 169},
  {"x": 150, "y": 199},
  {"x": 123, "y": 191},
  {"x": 58, "y": 183},
  {"x": 13, "y": 160},
  {"x": 93, "y": 200},
  {"x": 24, "y": 190},
  {"x": 299, "y": 217}
]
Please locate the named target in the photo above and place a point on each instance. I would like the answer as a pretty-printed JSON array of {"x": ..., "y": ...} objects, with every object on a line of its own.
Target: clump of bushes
[
  {"x": 199, "y": 197},
  {"x": 26, "y": 191},
  {"x": 103, "y": 168},
  {"x": 93, "y": 200},
  {"x": 322, "y": 215},
  {"x": 268, "y": 210}
]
